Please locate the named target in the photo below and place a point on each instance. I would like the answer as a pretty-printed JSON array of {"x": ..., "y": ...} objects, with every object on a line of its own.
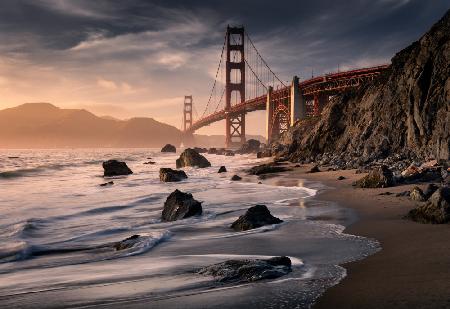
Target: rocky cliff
[{"x": 405, "y": 112}]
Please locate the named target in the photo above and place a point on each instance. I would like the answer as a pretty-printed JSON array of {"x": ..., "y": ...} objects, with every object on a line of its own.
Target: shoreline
[{"x": 412, "y": 269}]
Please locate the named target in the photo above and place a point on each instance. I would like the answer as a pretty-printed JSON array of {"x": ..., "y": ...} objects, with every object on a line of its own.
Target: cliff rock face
[{"x": 404, "y": 111}]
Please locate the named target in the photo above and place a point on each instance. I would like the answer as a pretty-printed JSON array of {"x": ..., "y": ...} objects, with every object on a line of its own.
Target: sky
[{"x": 138, "y": 58}]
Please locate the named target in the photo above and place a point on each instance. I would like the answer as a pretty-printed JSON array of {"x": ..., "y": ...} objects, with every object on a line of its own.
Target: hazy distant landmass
[{"x": 43, "y": 125}]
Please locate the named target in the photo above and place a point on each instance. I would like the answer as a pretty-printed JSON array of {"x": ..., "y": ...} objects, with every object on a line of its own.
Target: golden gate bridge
[{"x": 244, "y": 83}]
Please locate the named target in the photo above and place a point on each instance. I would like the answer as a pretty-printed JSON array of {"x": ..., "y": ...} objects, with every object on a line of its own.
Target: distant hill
[{"x": 43, "y": 125}]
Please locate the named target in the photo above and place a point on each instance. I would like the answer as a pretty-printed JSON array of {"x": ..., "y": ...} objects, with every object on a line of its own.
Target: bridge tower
[
  {"x": 235, "y": 66},
  {"x": 187, "y": 112}
]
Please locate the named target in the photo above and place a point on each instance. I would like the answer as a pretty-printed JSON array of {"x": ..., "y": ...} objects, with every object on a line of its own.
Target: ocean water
[{"x": 58, "y": 226}]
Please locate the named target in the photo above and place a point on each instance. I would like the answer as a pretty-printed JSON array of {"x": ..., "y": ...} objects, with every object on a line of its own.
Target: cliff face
[{"x": 405, "y": 111}]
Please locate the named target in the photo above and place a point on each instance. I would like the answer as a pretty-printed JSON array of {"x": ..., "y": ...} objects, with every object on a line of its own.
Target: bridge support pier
[
  {"x": 320, "y": 100},
  {"x": 297, "y": 103}
]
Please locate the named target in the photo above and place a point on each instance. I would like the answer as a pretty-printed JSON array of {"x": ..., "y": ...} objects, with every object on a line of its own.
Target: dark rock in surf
[
  {"x": 109, "y": 183},
  {"x": 115, "y": 168},
  {"x": 236, "y": 178},
  {"x": 341, "y": 178},
  {"x": 255, "y": 217},
  {"x": 248, "y": 270},
  {"x": 127, "y": 243},
  {"x": 266, "y": 169},
  {"x": 222, "y": 169},
  {"x": 180, "y": 205},
  {"x": 436, "y": 210},
  {"x": 169, "y": 148},
  {"x": 170, "y": 175},
  {"x": 314, "y": 169},
  {"x": 190, "y": 157}
]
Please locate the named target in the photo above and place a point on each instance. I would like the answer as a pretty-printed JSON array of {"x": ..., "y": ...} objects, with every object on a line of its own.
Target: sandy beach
[{"x": 413, "y": 268}]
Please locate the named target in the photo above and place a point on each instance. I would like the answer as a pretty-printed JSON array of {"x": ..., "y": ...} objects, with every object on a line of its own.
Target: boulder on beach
[
  {"x": 248, "y": 270},
  {"x": 255, "y": 217},
  {"x": 127, "y": 243},
  {"x": 180, "y": 205},
  {"x": 190, "y": 157},
  {"x": 314, "y": 169},
  {"x": 236, "y": 178},
  {"x": 250, "y": 146},
  {"x": 379, "y": 177},
  {"x": 115, "y": 168},
  {"x": 222, "y": 169},
  {"x": 266, "y": 169},
  {"x": 169, "y": 148},
  {"x": 435, "y": 210},
  {"x": 170, "y": 175},
  {"x": 416, "y": 194}
]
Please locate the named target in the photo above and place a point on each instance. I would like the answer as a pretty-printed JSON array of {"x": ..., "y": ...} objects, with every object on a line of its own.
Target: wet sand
[{"x": 413, "y": 268}]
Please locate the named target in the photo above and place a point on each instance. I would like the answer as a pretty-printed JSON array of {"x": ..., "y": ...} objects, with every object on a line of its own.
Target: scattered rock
[
  {"x": 109, "y": 183},
  {"x": 222, "y": 169},
  {"x": 386, "y": 193},
  {"x": 404, "y": 193},
  {"x": 201, "y": 150},
  {"x": 150, "y": 162},
  {"x": 248, "y": 270},
  {"x": 255, "y": 217},
  {"x": 212, "y": 151},
  {"x": 314, "y": 169},
  {"x": 115, "y": 168},
  {"x": 236, "y": 178},
  {"x": 127, "y": 243},
  {"x": 430, "y": 189},
  {"x": 190, "y": 157},
  {"x": 170, "y": 175},
  {"x": 267, "y": 168},
  {"x": 379, "y": 177},
  {"x": 341, "y": 178},
  {"x": 250, "y": 146},
  {"x": 416, "y": 194},
  {"x": 180, "y": 205},
  {"x": 297, "y": 165},
  {"x": 229, "y": 153},
  {"x": 169, "y": 148},
  {"x": 436, "y": 210},
  {"x": 266, "y": 153},
  {"x": 259, "y": 183}
]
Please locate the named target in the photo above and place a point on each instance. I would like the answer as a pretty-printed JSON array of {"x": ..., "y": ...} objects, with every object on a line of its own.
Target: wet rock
[
  {"x": 180, "y": 205},
  {"x": 109, "y": 183},
  {"x": 266, "y": 153},
  {"x": 416, "y": 194},
  {"x": 435, "y": 210},
  {"x": 379, "y": 177},
  {"x": 222, "y": 169},
  {"x": 429, "y": 190},
  {"x": 127, "y": 243},
  {"x": 212, "y": 151},
  {"x": 169, "y": 148},
  {"x": 341, "y": 178},
  {"x": 201, "y": 150},
  {"x": 266, "y": 169},
  {"x": 314, "y": 169},
  {"x": 248, "y": 270},
  {"x": 250, "y": 146},
  {"x": 229, "y": 153},
  {"x": 236, "y": 178},
  {"x": 386, "y": 193},
  {"x": 190, "y": 157},
  {"x": 115, "y": 168},
  {"x": 404, "y": 193},
  {"x": 170, "y": 175},
  {"x": 255, "y": 217},
  {"x": 220, "y": 151},
  {"x": 150, "y": 162}
]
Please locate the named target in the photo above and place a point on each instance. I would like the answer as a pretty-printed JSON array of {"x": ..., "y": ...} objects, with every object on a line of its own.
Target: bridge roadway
[{"x": 329, "y": 84}]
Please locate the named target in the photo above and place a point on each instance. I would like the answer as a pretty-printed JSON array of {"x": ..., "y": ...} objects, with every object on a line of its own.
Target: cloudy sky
[{"x": 140, "y": 57}]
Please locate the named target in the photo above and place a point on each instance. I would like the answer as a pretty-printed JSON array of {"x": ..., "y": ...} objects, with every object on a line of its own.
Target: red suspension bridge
[{"x": 244, "y": 82}]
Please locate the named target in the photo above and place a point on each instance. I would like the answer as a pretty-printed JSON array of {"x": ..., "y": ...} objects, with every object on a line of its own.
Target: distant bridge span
[{"x": 284, "y": 104}]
